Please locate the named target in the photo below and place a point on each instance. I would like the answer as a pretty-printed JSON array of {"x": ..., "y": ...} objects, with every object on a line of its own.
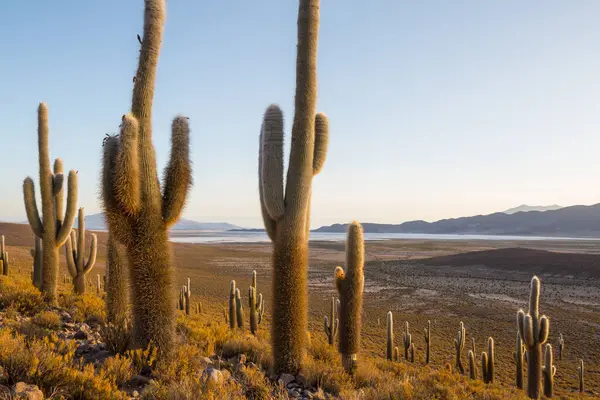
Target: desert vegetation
[{"x": 119, "y": 326}]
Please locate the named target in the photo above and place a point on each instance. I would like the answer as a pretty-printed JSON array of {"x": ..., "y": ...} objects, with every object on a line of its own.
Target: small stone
[
  {"x": 286, "y": 379},
  {"x": 301, "y": 379},
  {"x": 294, "y": 393},
  {"x": 139, "y": 380},
  {"x": 28, "y": 392},
  {"x": 273, "y": 377},
  {"x": 81, "y": 335},
  {"x": 66, "y": 317},
  {"x": 213, "y": 375},
  {"x": 135, "y": 394},
  {"x": 100, "y": 356},
  {"x": 307, "y": 394},
  {"x": 146, "y": 371}
]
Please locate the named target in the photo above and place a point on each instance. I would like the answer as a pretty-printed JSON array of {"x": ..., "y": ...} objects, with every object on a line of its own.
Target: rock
[
  {"x": 29, "y": 392},
  {"x": 66, "y": 317},
  {"x": 273, "y": 377},
  {"x": 100, "y": 356},
  {"x": 146, "y": 371},
  {"x": 301, "y": 380},
  {"x": 135, "y": 394},
  {"x": 286, "y": 379},
  {"x": 294, "y": 393},
  {"x": 81, "y": 335},
  {"x": 139, "y": 380},
  {"x": 307, "y": 394},
  {"x": 212, "y": 375}
]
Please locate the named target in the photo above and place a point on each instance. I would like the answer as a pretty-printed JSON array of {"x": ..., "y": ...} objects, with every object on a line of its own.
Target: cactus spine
[
  {"x": 519, "y": 355},
  {"x": 232, "y": 305},
  {"x": 286, "y": 211},
  {"x": 57, "y": 224},
  {"x": 472, "y": 366},
  {"x": 75, "y": 255},
  {"x": 487, "y": 362},
  {"x": 330, "y": 325},
  {"x": 117, "y": 282},
  {"x": 4, "y": 258},
  {"x": 459, "y": 344},
  {"x": 350, "y": 284},
  {"x": 138, "y": 211},
  {"x": 549, "y": 371},
  {"x": 406, "y": 340},
  {"x": 427, "y": 341},
  {"x": 534, "y": 332},
  {"x": 390, "y": 337},
  {"x": 580, "y": 372},
  {"x": 239, "y": 311},
  {"x": 256, "y": 305},
  {"x": 561, "y": 345}
]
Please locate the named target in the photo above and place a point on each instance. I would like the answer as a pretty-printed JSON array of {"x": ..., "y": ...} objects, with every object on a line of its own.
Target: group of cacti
[
  {"x": 185, "y": 298},
  {"x": 256, "y": 307}
]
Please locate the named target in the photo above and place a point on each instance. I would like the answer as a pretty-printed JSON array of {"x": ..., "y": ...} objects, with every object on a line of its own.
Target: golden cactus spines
[
  {"x": 549, "y": 370},
  {"x": 389, "y": 353},
  {"x": 57, "y": 224},
  {"x": 459, "y": 344},
  {"x": 406, "y": 340},
  {"x": 137, "y": 210},
  {"x": 36, "y": 254},
  {"x": 232, "y": 306},
  {"x": 580, "y": 374},
  {"x": 117, "y": 282},
  {"x": 427, "y": 336},
  {"x": 331, "y": 323},
  {"x": 473, "y": 365},
  {"x": 75, "y": 254},
  {"x": 285, "y": 210},
  {"x": 4, "y": 258},
  {"x": 488, "y": 362}
]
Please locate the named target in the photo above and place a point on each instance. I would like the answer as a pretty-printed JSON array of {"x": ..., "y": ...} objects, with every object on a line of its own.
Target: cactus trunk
[
  {"x": 79, "y": 284},
  {"x": 37, "y": 255},
  {"x": 390, "y": 336},
  {"x": 117, "y": 293}
]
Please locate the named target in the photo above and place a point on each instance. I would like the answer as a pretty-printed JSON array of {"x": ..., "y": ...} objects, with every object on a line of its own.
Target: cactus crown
[{"x": 533, "y": 328}]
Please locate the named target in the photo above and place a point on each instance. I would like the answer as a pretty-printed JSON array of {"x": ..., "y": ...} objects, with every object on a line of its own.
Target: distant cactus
[
  {"x": 239, "y": 311},
  {"x": 330, "y": 324},
  {"x": 472, "y": 366},
  {"x": 181, "y": 304},
  {"x": 188, "y": 297},
  {"x": 286, "y": 211},
  {"x": 534, "y": 332},
  {"x": 75, "y": 255},
  {"x": 406, "y": 340},
  {"x": 487, "y": 362},
  {"x": 580, "y": 373},
  {"x": 411, "y": 353},
  {"x": 232, "y": 306},
  {"x": 427, "y": 336},
  {"x": 256, "y": 306},
  {"x": 561, "y": 345},
  {"x": 459, "y": 344},
  {"x": 117, "y": 282},
  {"x": 4, "y": 258},
  {"x": 549, "y": 370},
  {"x": 519, "y": 355},
  {"x": 396, "y": 355},
  {"x": 138, "y": 211},
  {"x": 98, "y": 285},
  {"x": 390, "y": 336},
  {"x": 57, "y": 224},
  {"x": 350, "y": 283}
]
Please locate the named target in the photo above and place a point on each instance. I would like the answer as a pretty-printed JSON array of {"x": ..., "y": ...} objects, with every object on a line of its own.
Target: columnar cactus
[
  {"x": 561, "y": 345},
  {"x": 350, "y": 284},
  {"x": 549, "y": 370},
  {"x": 239, "y": 311},
  {"x": 98, "y": 285},
  {"x": 117, "y": 282},
  {"x": 138, "y": 212},
  {"x": 75, "y": 255},
  {"x": 330, "y": 325},
  {"x": 256, "y": 306},
  {"x": 286, "y": 211},
  {"x": 519, "y": 355},
  {"x": 459, "y": 345},
  {"x": 396, "y": 356},
  {"x": 406, "y": 340},
  {"x": 232, "y": 305},
  {"x": 390, "y": 336},
  {"x": 411, "y": 353},
  {"x": 580, "y": 372},
  {"x": 534, "y": 331},
  {"x": 472, "y": 366},
  {"x": 57, "y": 224},
  {"x": 4, "y": 258},
  {"x": 188, "y": 296},
  {"x": 36, "y": 254},
  {"x": 427, "y": 336},
  {"x": 487, "y": 362}
]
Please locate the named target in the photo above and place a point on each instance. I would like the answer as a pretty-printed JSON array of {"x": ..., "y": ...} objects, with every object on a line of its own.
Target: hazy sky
[{"x": 437, "y": 108}]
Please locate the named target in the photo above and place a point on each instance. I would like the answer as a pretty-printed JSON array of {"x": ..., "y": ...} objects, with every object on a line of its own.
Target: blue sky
[{"x": 437, "y": 109}]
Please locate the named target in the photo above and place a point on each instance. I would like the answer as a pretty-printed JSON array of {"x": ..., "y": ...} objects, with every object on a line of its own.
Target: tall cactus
[
  {"x": 239, "y": 311},
  {"x": 561, "y": 345},
  {"x": 4, "y": 258},
  {"x": 549, "y": 370},
  {"x": 488, "y": 362},
  {"x": 350, "y": 284},
  {"x": 390, "y": 336},
  {"x": 519, "y": 355},
  {"x": 427, "y": 336},
  {"x": 472, "y": 365},
  {"x": 57, "y": 224},
  {"x": 188, "y": 297},
  {"x": 117, "y": 282},
  {"x": 36, "y": 254},
  {"x": 286, "y": 211},
  {"x": 534, "y": 331},
  {"x": 256, "y": 307},
  {"x": 406, "y": 340},
  {"x": 459, "y": 345},
  {"x": 580, "y": 373},
  {"x": 138, "y": 212},
  {"x": 75, "y": 255},
  {"x": 232, "y": 305},
  {"x": 330, "y": 325}
]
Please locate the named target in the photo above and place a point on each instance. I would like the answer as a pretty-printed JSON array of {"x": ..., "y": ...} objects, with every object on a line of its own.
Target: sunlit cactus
[
  {"x": 117, "y": 282},
  {"x": 286, "y": 210},
  {"x": 232, "y": 306},
  {"x": 188, "y": 296},
  {"x": 255, "y": 307},
  {"x": 561, "y": 345},
  {"x": 138, "y": 210},
  {"x": 549, "y": 370},
  {"x": 488, "y": 362},
  {"x": 350, "y": 284},
  {"x": 534, "y": 331},
  {"x": 390, "y": 337},
  {"x": 239, "y": 310},
  {"x": 472, "y": 365},
  {"x": 580, "y": 373},
  {"x": 330, "y": 325},
  {"x": 406, "y": 340},
  {"x": 36, "y": 254},
  {"x": 57, "y": 223},
  {"x": 459, "y": 345},
  {"x": 4, "y": 258},
  {"x": 427, "y": 336},
  {"x": 519, "y": 355},
  {"x": 75, "y": 254}
]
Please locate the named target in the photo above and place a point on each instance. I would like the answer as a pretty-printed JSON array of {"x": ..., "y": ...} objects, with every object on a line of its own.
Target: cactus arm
[
  {"x": 57, "y": 192},
  {"x": 127, "y": 171},
  {"x": 33, "y": 215},
  {"x": 544, "y": 329},
  {"x": 178, "y": 174},
  {"x": 272, "y": 162},
  {"x": 321, "y": 142},
  {"x": 339, "y": 277},
  {"x": 80, "y": 248},
  {"x": 69, "y": 255},
  {"x": 270, "y": 223},
  {"x": 92, "y": 256},
  {"x": 57, "y": 184},
  {"x": 67, "y": 223}
]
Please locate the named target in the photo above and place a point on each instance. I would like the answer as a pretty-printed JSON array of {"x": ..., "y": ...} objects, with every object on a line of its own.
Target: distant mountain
[
  {"x": 96, "y": 222},
  {"x": 525, "y": 208},
  {"x": 574, "y": 221}
]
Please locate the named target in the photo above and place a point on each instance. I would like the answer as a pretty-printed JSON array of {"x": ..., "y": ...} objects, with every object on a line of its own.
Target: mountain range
[
  {"x": 525, "y": 207},
  {"x": 573, "y": 221},
  {"x": 96, "y": 222}
]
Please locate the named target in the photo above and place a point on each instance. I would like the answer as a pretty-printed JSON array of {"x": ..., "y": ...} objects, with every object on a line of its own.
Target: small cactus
[
  {"x": 232, "y": 305},
  {"x": 4, "y": 258},
  {"x": 406, "y": 340},
  {"x": 396, "y": 355},
  {"x": 519, "y": 355},
  {"x": 256, "y": 306},
  {"x": 411, "y": 353},
  {"x": 549, "y": 370},
  {"x": 580, "y": 372},
  {"x": 98, "y": 285},
  {"x": 330, "y": 325},
  {"x": 427, "y": 336},
  {"x": 390, "y": 337},
  {"x": 561, "y": 345},
  {"x": 472, "y": 366},
  {"x": 188, "y": 296},
  {"x": 534, "y": 331},
  {"x": 487, "y": 362},
  {"x": 75, "y": 255},
  {"x": 459, "y": 344},
  {"x": 239, "y": 310}
]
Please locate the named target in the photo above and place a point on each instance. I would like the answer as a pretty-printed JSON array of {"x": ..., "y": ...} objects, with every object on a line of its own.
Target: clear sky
[{"x": 437, "y": 108}]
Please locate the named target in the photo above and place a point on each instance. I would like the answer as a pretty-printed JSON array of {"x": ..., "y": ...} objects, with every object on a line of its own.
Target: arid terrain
[{"x": 482, "y": 283}]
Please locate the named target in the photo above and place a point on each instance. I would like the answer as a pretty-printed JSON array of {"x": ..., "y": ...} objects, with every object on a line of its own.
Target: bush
[{"x": 20, "y": 296}]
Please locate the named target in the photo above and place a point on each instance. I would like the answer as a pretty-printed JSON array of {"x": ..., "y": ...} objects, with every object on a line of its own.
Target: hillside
[{"x": 574, "y": 221}]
